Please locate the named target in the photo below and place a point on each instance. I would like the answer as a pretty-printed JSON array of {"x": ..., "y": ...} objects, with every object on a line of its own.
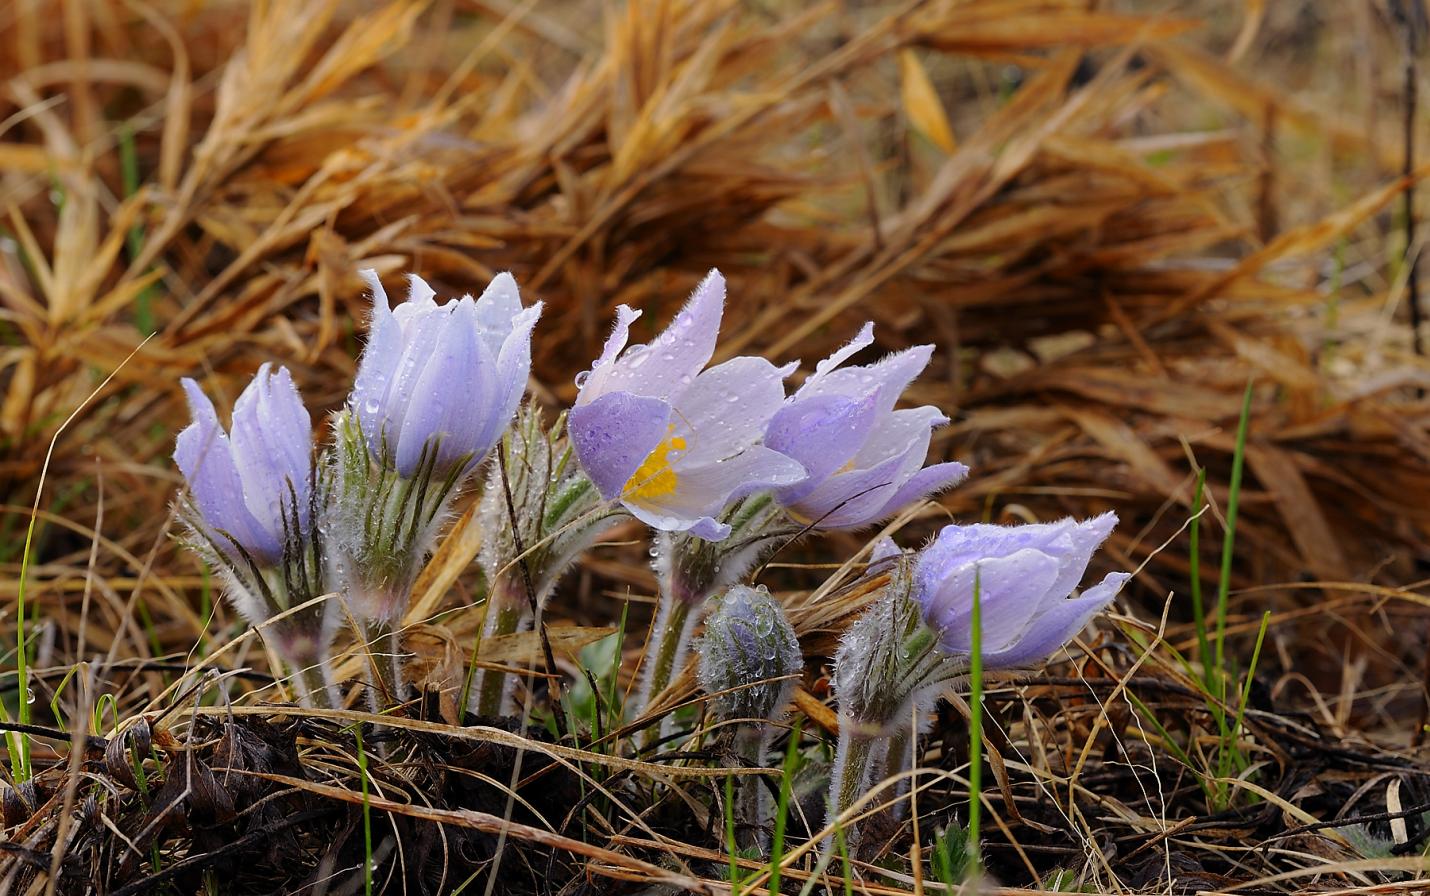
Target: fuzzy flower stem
[
  {"x": 674, "y": 623},
  {"x": 313, "y": 678},
  {"x": 507, "y": 605},
  {"x": 753, "y": 809},
  {"x": 855, "y": 756},
  {"x": 385, "y": 663}
]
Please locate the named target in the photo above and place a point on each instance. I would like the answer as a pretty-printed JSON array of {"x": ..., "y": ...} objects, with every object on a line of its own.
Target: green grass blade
[
  {"x": 366, "y": 814},
  {"x": 975, "y": 723},
  {"x": 730, "y": 835},
  {"x": 1246, "y": 688},
  {"x": 1229, "y": 543},
  {"x": 1195, "y": 560},
  {"x": 777, "y": 844}
]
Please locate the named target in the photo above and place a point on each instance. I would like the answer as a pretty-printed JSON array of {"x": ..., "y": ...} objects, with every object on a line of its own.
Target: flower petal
[
  {"x": 703, "y": 492},
  {"x": 204, "y": 456},
  {"x": 613, "y": 434},
  {"x": 379, "y": 360},
  {"x": 1011, "y": 590},
  {"x": 1057, "y": 626},
  {"x": 823, "y": 433},
  {"x": 863, "y": 339},
  {"x": 419, "y": 338},
  {"x": 898, "y": 434},
  {"x": 420, "y": 301},
  {"x": 452, "y": 391},
  {"x": 592, "y": 383},
  {"x": 665, "y": 367},
  {"x": 497, "y": 311},
  {"x": 272, "y": 449},
  {"x": 851, "y": 499},
  {"x": 890, "y": 376},
  {"x": 1075, "y": 549},
  {"x": 926, "y": 482},
  {"x": 513, "y": 367},
  {"x": 727, "y": 408}
]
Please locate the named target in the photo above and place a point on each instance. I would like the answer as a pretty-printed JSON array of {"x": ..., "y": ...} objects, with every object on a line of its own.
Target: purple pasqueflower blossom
[
  {"x": 442, "y": 378},
  {"x": 673, "y": 442},
  {"x": 863, "y": 458},
  {"x": 1024, "y": 576},
  {"x": 247, "y": 485}
]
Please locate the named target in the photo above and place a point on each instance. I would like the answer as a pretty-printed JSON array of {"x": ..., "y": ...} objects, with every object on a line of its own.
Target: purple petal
[
  {"x": 272, "y": 447},
  {"x": 204, "y": 456},
  {"x": 884, "y": 549},
  {"x": 703, "y": 492},
  {"x": 900, "y": 434},
  {"x": 851, "y": 499},
  {"x": 420, "y": 301},
  {"x": 926, "y": 482},
  {"x": 727, "y": 409},
  {"x": 1011, "y": 591},
  {"x": 379, "y": 359},
  {"x": 863, "y": 339},
  {"x": 614, "y": 434},
  {"x": 890, "y": 376},
  {"x": 959, "y": 544},
  {"x": 668, "y": 365},
  {"x": 1057, "y": 626},
  {"x": 450, "y": 394},
  {"x": 822, "y": 433},
  {"x": 512, "y": 370},
  {"x": 1075, "y": 549},
  {"x": 592, "y": 383},
  {"x": 420, "y": 338},
  {"x": 497, "y": 311}
]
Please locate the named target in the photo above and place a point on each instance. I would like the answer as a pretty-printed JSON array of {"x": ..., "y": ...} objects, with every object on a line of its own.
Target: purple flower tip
[
  {"x": 863, "y": 459},
  {"x": 1024, "y": 576},
  {"x": 438, "y": 384},
  {"x": 246, "y": 485}
]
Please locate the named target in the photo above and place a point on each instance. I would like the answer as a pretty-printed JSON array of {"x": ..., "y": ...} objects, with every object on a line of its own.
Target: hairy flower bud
[
  {"x": 555, "y": 512},
  {"x": 747, "y": 654}
]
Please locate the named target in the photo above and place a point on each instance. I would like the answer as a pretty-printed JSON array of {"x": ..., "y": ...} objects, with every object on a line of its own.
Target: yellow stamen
[{"x": 654, "y": 478}]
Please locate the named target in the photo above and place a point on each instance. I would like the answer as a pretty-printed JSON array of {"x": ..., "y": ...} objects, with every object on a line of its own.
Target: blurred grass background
[{"x": 1109, "y": 216}]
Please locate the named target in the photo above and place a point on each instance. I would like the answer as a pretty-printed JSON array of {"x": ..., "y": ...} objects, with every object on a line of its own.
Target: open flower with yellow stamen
[
  {"x": 673, "y": 442},
  {"x": 679, "y": 447}
]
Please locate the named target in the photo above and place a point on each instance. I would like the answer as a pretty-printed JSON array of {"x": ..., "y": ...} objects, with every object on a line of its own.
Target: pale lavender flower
[
  {"x": 864, "y": 459},
  {"x": 673, "y": 442},
  {"x": 248, "y": 487},
  {"x": 1025, "y": 575},
  {"x": 448, "y": 376},
  {"x": 916, "y": 640},
  {"x": 436, "y": 388},
  {"x": 252, "y": 506}
]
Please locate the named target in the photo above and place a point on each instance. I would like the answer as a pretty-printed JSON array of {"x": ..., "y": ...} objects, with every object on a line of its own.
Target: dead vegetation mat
[{"x": 1109, "y": 217}]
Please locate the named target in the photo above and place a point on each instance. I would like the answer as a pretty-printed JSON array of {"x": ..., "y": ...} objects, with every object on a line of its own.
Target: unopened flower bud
[{"x": 747, "y": 655}]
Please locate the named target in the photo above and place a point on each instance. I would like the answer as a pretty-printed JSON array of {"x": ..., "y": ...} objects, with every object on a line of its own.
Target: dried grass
[{"x": 1108, "y": 219}]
